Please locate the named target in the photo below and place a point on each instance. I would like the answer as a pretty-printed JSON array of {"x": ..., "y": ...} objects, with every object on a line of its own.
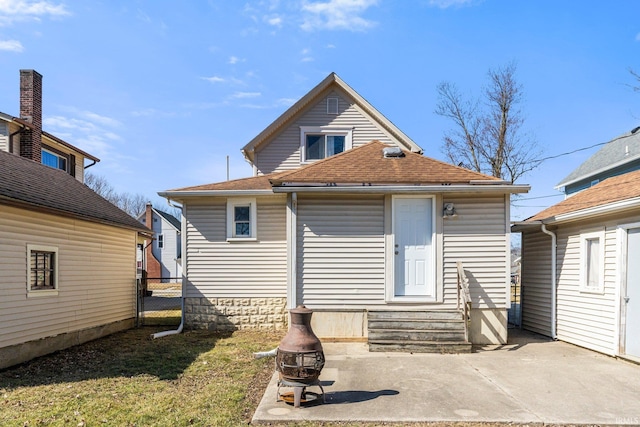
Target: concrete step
[
  {"x": 448, "y": 324},
  {"x": 419, "y": 347},
  {"x": 415, "y": 315},
  {"x": 416, "y": 335}
]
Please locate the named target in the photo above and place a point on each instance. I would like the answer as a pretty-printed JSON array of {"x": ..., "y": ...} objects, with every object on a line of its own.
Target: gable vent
[
  {"x": 332, "y": 106},
  {"x": 392, "y": 152}
]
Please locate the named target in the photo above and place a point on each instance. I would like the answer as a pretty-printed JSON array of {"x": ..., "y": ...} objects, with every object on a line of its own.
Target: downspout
[
  {"x": 91, "y": 164},
  {"x": 554, "y": 282},
  {"x": 11, "y": 135},
  {"x": 181, "y": 326}
]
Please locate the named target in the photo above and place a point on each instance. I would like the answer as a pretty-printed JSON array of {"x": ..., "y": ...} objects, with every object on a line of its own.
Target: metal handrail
[{"x": 464, "y": 298}]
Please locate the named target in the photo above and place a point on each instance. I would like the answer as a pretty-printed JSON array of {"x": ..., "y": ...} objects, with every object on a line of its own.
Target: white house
[
  {"x": 163, "y": 254},
  {"x": 346, "y": 216}
]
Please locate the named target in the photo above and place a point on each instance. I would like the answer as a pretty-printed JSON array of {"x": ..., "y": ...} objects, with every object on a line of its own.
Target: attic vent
[
  {"x": 392, "y": 152},
  {"x": 332, "y": 106}
]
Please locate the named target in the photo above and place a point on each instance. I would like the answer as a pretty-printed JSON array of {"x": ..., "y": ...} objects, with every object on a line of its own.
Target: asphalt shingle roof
[
  {"x": 27, "y": 183},
  {"x": 622, "y": 149},
  {"x": 367, "y": 165},
  {"x": 611, "y": 190}
]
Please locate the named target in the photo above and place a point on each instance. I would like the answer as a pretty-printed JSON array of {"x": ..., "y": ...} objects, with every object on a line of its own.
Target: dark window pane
[
  {"x": 335, "y": 144},
  {"x": 49, "y": 159},
  {"x": 241, "y": 213},
  {"x": 242, "y": 229},
  {"x": 315, "y": 147}
]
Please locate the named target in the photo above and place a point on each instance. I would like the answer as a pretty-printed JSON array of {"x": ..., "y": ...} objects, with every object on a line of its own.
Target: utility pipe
[
  {"x": 181, "y": 326},
  {"x": 554, "y": 281}
]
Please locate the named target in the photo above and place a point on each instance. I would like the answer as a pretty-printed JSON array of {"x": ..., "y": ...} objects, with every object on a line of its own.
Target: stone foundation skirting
[{"x": 230, "y": 314}]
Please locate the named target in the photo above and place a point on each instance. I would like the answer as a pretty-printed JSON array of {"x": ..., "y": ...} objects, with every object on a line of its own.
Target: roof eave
[
  {"x": 180, "y": 195},
  {"x": 398, "y": 188},
  {"x": 596, "y": 172}
]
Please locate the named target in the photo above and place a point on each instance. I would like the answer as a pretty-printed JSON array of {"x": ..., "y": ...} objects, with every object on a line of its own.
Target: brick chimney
[{"x": 31, "y": 111}]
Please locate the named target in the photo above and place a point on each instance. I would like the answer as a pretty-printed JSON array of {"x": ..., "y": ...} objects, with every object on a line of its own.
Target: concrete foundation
[
  {"x": 230, "y": 314},
  {"x": 488, "y": 326},
  {"x": 340, "y": 325},
  {"x": 24, "y": 352}
]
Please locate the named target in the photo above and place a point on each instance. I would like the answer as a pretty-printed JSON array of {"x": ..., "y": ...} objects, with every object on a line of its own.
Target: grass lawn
[{"x": 195, "y": 378}]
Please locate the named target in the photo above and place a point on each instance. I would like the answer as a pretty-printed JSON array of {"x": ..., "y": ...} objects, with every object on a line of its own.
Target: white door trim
[
  {"x": 391, "y": 277},
  {"x": 621, "y": 280}
]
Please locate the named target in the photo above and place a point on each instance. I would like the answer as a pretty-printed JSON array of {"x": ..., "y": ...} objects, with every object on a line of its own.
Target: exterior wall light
[{"x": 449, "y": 211}]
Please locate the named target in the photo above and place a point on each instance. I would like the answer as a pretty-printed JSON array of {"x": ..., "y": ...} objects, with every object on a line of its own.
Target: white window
[
  {"x": 592, "y": 262},
  {"x": 160, "y": 241},
  {"x": 319, "y": 142},
  {"x": 241, "y": 219},
  {"x": 42, "y": 270}
]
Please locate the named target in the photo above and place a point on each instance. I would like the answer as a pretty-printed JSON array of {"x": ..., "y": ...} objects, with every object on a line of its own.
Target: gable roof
[
  {"x": 175, "y": 222},
  {"x": 617, "y": 152},
  {"x": 367, "y": 165},
  {"x": 607, "y": 193},
  {"x": 331, "y": 80},
  {"x": 26, "y": 125},
  {"x": 26, "y": 183}
]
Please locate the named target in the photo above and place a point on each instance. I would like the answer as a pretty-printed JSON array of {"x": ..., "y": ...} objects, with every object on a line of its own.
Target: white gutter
[
  {"x": 184, "y": 281},
  {"x": 177, "y": 195},
  {"x": 554, "y": 290},
  {"x": 599, "y": 210},
  {"x": 396, "y": 189}
]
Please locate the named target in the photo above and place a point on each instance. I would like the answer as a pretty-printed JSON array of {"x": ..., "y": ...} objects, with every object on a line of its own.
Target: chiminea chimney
[{"x": 31, "y": 111}]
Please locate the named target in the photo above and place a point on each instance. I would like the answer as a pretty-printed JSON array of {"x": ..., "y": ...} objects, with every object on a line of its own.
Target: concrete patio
[{"x": 529, "y": 380}]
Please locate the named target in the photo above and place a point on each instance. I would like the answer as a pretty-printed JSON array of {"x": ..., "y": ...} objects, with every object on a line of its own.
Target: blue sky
[{"x": 162, "y": 91}]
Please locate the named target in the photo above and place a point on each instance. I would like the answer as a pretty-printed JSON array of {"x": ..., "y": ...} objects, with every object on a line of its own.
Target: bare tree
[
  {"x": 488, "y": 136},
  {"x": 637, "y": 77},
  {"x": 133, "y": 204}
]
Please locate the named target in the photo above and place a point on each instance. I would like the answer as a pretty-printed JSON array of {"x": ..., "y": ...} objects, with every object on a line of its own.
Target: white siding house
[
  {"x": 579, "y": 281},
  {"x": 166, "y": 247},
  {"x": 336, "y": 221}
]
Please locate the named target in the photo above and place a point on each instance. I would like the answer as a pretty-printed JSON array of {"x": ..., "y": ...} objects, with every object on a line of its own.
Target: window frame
[
  {"x": 325, "y": 131},
  {"x": 232, "y": 203},
  {"x": 585, "y": 238},
  {"x": 59, "y": 155},
  {"x": 42, "y": 249},
  {"x": 160, "y": 241}
]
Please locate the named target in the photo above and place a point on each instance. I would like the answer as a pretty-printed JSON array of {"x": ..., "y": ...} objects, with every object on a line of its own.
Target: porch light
[{"x": 449, "y": 211}]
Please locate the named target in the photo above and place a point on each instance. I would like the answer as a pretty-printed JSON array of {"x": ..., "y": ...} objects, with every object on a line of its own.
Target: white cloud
[
  {"x": 234, "y": 60},
  {"x": 26, "y": 10},
  {"x": 11, "y": 45},
  {"x": 274, "y": 20},
  {"x": 444, "y": 4},
  {"x": 337, "y": 15},
  {"x": 214, "y": 79},
  {"x": 245, "y": 95}
]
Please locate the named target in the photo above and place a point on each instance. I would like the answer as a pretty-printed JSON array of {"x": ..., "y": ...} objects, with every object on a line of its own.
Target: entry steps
[{"x": 417, "y": 331}]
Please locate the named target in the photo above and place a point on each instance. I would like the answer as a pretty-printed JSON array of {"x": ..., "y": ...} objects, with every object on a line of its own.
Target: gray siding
[
  {"x": 96, "y": 276},
  {"x": 220, "y": 269},
  {"x": 478, "y": 238},
  {"x": 283, "y": 151},
  {"x": 340, "y": 252},
  {"x": 536, "y": 282}
]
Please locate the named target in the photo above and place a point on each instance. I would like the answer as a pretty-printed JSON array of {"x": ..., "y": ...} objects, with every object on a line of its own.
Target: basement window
[{"x": 42, "y": 270}]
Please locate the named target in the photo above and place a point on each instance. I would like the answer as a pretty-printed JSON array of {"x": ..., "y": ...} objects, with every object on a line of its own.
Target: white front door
[
  {"x": 632, "y": 297},
  {"x": 413, "y": 249}
]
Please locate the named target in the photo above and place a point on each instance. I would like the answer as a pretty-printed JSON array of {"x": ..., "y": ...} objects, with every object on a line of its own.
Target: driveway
[{"x": 529, "y": 380}]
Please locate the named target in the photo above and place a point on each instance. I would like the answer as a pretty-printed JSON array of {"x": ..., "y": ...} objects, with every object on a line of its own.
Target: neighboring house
[
  {"x": 618, "y": 156},
  {"x": 344, "y": 215},
  {"x": 163, "y": 254},
  {"x": 581, "y": 270},
  {"x": 67, "y": 262},
  {"x": 24, "y": 135}
]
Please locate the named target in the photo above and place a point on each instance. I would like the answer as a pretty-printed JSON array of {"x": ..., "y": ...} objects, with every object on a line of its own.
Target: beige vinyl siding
[
  {"x": 96, "y": 278},
  {"x": 219, "y": 269},
  {"x": 536, "y": 282},
  {"x": 478, "y": 238},
  {"x": 586, "y": 318},
  {"x": 4, "y": 136},
  {"x": 283, "y": 151},
  {"x": 340, "y": 252}
]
